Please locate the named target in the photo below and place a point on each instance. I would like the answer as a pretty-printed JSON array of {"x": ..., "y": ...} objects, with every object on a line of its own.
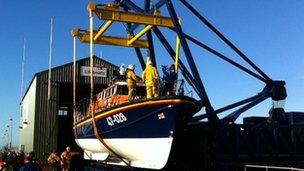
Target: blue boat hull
[{"x": 155, "y": 120}]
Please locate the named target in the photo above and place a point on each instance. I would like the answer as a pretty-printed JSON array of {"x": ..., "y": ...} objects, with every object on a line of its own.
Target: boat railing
[
  {"x": 85, "y": 108},
  {"x": 80, "y": 110},
  {"x": 178, "y": 88},
  {"x": 109, "y": 98}
]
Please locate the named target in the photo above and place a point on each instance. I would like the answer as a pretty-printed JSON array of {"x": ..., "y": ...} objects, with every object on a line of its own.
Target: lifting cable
[
  {"x": 101, "y": 140},
  {"x": 96, "y": 133}
]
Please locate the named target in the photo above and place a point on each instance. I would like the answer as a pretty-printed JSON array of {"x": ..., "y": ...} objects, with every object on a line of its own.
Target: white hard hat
[
  {"x": 131, "y": 67},
  {"x": 149, "y": 62}
]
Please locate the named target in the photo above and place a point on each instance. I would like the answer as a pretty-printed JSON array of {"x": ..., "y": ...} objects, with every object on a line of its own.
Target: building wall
[
  {"x": 28, "y": 118},
  {"x": 47, "y": 135}
]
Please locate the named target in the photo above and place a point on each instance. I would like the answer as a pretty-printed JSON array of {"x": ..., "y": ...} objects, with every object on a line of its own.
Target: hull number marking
[{"x": 116, "y": 119}]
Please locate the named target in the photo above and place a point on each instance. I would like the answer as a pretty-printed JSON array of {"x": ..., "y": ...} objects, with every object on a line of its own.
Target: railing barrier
[{"x": 272, "y": 167}]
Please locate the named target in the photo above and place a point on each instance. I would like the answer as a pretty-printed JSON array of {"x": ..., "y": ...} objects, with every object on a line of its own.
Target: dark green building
[{"x": 47, "y": 124}]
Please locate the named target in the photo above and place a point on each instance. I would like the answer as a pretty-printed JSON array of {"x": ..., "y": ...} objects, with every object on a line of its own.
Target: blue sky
[{"x": 269, "y": 32}]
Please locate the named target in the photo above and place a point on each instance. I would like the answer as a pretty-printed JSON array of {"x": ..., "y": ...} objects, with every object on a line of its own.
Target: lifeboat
[{"x": 137, "y": 133}]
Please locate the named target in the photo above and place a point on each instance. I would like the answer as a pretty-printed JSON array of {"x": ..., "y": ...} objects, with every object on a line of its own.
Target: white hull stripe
[{"x": 152, "y": 153}]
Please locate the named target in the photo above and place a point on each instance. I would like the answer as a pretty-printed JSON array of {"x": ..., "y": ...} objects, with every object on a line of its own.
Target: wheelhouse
[
  {"x": 113, "y": 95},
  {"x": 121, "y": 89}
]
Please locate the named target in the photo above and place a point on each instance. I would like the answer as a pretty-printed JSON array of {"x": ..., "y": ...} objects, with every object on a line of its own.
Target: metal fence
[{"x": 246, "y": 168}]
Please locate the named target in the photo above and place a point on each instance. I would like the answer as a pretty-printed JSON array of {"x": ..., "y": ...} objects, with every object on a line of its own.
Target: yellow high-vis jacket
[
  {"x": 131, "y": 78},
  {"x": 150, "y": 75}
]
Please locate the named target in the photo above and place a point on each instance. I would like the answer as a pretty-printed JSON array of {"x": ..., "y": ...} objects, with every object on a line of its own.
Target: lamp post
[
  {"x": 3, "y": 138},
  {"x": 11, "y": 140},
  {"x": 6, "y": 138}
]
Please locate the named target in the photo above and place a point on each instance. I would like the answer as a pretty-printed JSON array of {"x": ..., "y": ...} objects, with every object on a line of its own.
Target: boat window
[
  {"x": 63, "y": 111},
  {"x": 122, "y": 90}
]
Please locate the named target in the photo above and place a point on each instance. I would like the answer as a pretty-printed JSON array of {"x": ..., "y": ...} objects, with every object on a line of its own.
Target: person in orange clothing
[
  {"x": 66, "y": 157},
  {"x": 150, "y": 77},
  {"x": 131, "y": 82},
  {"x": 54, "y": 161}
]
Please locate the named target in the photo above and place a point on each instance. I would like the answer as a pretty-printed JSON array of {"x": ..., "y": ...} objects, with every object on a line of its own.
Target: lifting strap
[{"x": 101, "y": 140}]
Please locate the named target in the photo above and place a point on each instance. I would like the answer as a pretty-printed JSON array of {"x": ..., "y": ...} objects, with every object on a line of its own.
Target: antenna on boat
[
  {"x": 50, "y": 59},
  {"x": 91, "y": 57}
]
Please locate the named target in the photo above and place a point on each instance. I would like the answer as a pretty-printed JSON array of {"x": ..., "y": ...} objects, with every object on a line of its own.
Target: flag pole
[
  {"x": 22, "y": 69},
  {"x": 50, "y": 59}
]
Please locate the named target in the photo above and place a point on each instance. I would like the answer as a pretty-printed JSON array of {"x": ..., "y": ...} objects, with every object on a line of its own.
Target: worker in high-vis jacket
[
  {"x": 131, "y": 82},
  {"x": 150, "y": 77}
]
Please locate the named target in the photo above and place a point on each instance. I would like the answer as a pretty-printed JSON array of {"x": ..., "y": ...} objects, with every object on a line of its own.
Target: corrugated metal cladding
[
  {"x": 64, "y": 73},
  {"x": 46, "y": 111}
]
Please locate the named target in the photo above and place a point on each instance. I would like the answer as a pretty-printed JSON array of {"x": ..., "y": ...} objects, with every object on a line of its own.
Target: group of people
[
  {"x": 150, "y": 77},
  {"x": 14, "y": 160},
  {"x": 4, "y": 165},
  {"x": 63, "y": 162},
  {"x": 11, "y": 161}
]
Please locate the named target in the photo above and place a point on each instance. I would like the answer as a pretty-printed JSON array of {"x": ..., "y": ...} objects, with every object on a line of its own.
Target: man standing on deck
[
  {"x": 122, "y": 72},
  {"x": 150, "y": 77},
  {"x": 131, "y": 82},
  {"x": 169, "y": 80}
]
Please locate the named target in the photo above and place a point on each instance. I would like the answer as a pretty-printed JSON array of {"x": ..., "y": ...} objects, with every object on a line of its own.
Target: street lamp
[
  {"x": 6, "y": 138},
  {"x": 11, "y": 122},
  {"x": 10, "y": 134}
]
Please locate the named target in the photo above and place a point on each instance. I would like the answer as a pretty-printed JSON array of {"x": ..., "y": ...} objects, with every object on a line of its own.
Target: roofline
[
  {"x": 70, "y": 63},
  {"x": 60, "y": 66},
  {"x": 27, "y": 89}
]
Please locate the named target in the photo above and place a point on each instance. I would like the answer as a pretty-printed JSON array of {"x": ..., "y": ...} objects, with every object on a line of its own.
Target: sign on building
[{"x": 97, "y": 71}]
